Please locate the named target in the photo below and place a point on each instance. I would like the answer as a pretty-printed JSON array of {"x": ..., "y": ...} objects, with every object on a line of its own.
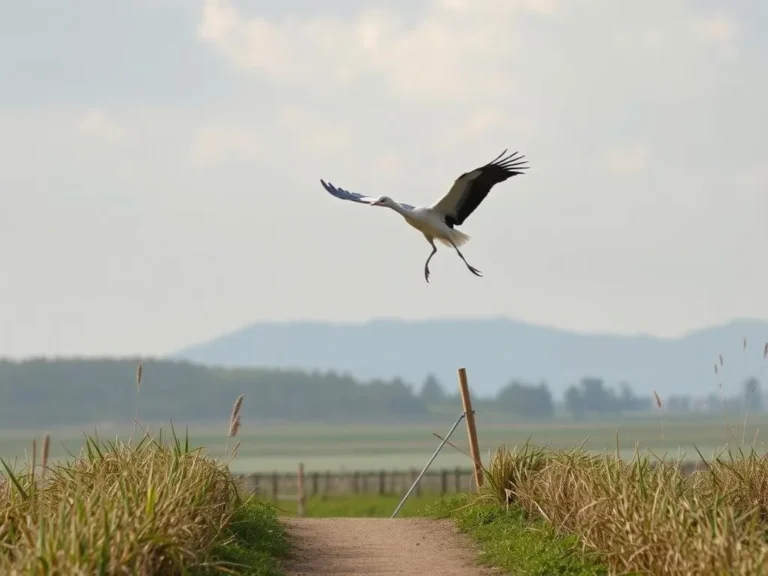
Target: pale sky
[{"x": 161, "y": 164}]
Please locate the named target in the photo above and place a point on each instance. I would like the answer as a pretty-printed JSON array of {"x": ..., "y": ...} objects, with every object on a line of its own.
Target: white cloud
[
  {"x": 499, "y": 53},
  {"x": 217, "y": 142},
  {"x": 631, "y": 159},
  {"x": 541, "y": 6},
  {"x": 717, "y": 27},
  {"x": 485, "y": 120},
  {"x": 456, "y": 51},
  {"x": 329, "y": 139},
  {"x": 387, "y": 162},
  {"x": 97, "y": 123}
]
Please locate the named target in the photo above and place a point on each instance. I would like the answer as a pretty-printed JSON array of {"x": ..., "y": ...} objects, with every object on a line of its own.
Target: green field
[
  {"x": 360, "y": 506},
  {"x": 375, "y": 447}
]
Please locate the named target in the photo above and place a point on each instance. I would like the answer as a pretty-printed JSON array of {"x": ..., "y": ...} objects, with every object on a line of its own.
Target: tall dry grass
[
  {"x": 156, "y": 506},
  {"x": 644, "y": 516}
]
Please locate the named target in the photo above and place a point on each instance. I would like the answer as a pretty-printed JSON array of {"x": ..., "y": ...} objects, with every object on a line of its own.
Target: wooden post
[
  {"x": 415, "y": 473},
  {"x": 275, "y": 486},
  {"x": 300, "y": 490},
  {"x": 474, "y": 451},
  {"x": 315, "y": 483},
  {"x": 382, "y": 482}
]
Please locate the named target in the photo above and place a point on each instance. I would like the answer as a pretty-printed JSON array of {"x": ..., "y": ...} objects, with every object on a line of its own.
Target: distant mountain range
[{"x": 494, "y": 351}]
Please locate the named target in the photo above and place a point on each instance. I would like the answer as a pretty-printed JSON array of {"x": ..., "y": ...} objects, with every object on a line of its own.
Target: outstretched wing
[
  {"x": 471, "y": 188},
  {"x": 346, "y": 194},
  {"x": 354, "y": 196}
]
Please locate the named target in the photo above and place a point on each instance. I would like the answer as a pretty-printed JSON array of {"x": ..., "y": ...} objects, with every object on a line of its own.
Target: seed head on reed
[
  {"x": 139, "y": 374},
  {"x": 720, "y": 357},
  {"x": 715, "y": 368},
  {"x": 234, "y": 426},
  {"x": 46, "y": 451},
  {"x": 744, "y": 344},
  {"x": 234, "y": 419},
  {"x": 658, "y": 400},
  {"x": 234, "y": 422},
  {"x": 236, "y": 409},
  {"x": 765, "y": 352}
]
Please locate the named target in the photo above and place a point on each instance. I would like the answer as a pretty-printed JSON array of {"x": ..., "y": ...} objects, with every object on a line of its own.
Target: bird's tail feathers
[{"x": 458, "y": 237}]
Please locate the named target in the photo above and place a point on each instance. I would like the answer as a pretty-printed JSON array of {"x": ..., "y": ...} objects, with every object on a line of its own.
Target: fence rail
[
  {"x": 287, "y": 485},
  {"x": 382, "y": 482}
]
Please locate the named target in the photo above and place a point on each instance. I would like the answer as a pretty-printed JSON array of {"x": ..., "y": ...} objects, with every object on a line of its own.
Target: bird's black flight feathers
[{"x": 496, "y": 171}]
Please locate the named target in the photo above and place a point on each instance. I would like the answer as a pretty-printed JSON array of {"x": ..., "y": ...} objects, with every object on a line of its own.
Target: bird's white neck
[{"x": 396, "y": 207}]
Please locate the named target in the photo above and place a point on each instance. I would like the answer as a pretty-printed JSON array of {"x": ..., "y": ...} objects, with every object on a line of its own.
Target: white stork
[{"x": 437, "y": 222}]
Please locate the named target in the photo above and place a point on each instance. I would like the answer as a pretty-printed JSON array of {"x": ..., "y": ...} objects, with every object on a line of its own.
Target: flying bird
[{"x": 439, "y": 221}]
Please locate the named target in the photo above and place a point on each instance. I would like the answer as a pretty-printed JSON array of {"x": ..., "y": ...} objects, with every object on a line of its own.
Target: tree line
[
  {"x": 591, "y": 398},
  {"x": 54, "y": 392}
]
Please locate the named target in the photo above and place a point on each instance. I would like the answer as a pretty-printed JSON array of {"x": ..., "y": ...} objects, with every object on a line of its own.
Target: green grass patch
[
  {"x": 256, "y": 541},
  {"x": 509, "y": 539},
  {"x": 358, "y": 506}
]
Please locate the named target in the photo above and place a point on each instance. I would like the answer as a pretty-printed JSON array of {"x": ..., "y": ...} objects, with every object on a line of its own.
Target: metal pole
[{"x": 437, "y": 451}]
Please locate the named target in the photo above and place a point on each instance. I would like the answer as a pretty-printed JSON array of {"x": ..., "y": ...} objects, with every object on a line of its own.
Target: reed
[
  {"x": 234, "y": 425},
  {"x": 155, "y": 506},
  {"x": 644, "y": 515}
]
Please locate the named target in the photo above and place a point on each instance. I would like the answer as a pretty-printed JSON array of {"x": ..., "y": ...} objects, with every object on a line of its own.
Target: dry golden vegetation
[
  {"x": 155, "y": 506},
  {"x": 147, "y": 509},
  {"x": 643, "y": 516},
  {"x": 152, "y": 508}
]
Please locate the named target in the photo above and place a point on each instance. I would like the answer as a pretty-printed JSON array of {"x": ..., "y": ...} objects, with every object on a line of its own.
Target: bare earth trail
[{"x": 378, "y": 546}]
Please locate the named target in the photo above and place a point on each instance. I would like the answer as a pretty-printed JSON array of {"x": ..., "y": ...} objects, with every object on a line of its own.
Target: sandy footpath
[{"x": 377, "y": 546}]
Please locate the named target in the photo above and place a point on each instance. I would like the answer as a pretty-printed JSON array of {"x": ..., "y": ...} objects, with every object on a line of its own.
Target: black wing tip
[
  {"x": 330, "y": 188},
  {"x": 513, "y": 163}
]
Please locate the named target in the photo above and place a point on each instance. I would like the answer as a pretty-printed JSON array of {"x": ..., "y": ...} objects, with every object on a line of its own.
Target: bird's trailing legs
[
  {"x": 472, "y": 269},
  {"x": 426, "y": 264}
]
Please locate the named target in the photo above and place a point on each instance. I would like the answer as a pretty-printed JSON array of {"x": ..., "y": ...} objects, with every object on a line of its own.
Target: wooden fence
[
  {"x": 277, "y": 485},
  {"x": 301, "y": 485}
]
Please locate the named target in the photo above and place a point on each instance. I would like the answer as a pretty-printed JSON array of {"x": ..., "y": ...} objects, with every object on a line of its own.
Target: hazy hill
[{"x": 496, "y": 350}]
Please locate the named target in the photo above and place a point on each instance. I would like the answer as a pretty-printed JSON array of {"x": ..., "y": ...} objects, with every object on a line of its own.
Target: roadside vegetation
[
  {"x": 572, "y": 512},
  {"x": 512, "y": 540},
  {"x": 152, "y": 508},
  {"x": 145, "y": 507}
]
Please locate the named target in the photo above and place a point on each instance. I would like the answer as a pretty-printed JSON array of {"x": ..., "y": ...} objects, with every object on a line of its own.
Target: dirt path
[{"x": 377, "y": 546}]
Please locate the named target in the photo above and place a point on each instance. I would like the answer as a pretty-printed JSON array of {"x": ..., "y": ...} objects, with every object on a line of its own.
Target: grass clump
[
  {"x": 152, "y": 508},
  {"x": 642, "y": 516},
  {"x": 509, "y": 539}
]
